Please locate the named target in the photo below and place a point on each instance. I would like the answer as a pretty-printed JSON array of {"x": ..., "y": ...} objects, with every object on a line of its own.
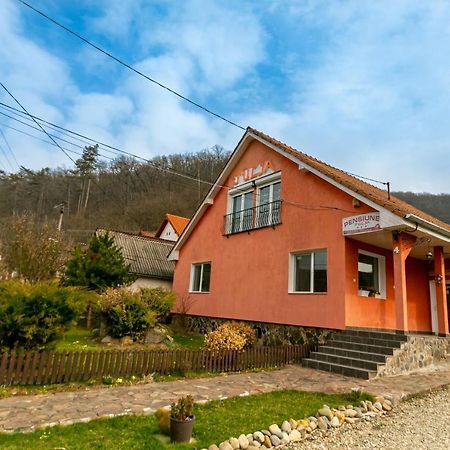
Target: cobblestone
[{"x": 28, "y": 413}]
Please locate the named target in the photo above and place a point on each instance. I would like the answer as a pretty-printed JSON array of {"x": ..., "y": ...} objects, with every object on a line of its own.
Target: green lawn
[
  {"x": 215, "y": 422},
  {"x": 80, "y": 339}
]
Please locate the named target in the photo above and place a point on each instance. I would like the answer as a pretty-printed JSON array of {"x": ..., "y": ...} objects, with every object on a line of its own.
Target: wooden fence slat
[
  {"x": 4, "y": 368},
  {"x": 61, "y": 367},
  {"x": 30, "y": 373},
  {"x": 26, "y": 368}
]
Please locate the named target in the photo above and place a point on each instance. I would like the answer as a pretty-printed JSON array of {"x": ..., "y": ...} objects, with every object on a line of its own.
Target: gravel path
[{"x": 418, "y": 423}]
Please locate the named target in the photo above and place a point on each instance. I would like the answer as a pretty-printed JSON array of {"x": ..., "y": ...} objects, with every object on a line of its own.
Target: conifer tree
[{"x": 98, "y": 267}]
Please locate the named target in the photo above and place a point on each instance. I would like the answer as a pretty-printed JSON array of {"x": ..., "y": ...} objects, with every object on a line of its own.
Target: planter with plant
[{"x": 182, "y": 419}]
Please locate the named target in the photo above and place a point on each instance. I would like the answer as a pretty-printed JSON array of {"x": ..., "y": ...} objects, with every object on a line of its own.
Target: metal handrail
[{"x": 265, "y": 215}]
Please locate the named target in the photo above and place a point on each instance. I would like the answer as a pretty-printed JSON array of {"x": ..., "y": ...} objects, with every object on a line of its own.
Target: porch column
[
  {"x": 441, "y": 294},
  {"x": 402, "y": 244}
]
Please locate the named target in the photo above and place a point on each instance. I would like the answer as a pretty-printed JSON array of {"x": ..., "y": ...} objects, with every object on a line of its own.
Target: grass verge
[{"x": 215, "y": 422}]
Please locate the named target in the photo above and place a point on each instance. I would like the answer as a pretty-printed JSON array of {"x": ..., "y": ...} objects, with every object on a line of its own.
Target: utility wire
[
  {"x": 9, "y": 148},
  {"x": 128, "y": 66},
  {"x": 2, "y": 150},
  {"x": 36, "y": 122}
]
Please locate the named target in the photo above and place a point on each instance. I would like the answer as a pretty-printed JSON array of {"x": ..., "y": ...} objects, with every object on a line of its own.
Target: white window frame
[
  {"x": 241, "y": 218},
  {"x": 191, "y": 282},
  {"x": 292, "y": 266},
  {"x": 381, "y": 275}
]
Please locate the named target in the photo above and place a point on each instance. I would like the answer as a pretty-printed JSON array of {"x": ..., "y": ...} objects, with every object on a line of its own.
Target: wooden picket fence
[{"x": 61, "y": 367}]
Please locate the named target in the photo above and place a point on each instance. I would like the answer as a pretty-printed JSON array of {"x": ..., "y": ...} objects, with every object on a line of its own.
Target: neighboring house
[
  {"x": 147, "y": 258},
  {"x": 285, "y": 238},
  {"x": 171, "y": 227}
]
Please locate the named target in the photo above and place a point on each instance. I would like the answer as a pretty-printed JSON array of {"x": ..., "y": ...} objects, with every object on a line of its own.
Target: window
[
  {"x": 269, "y": 205},
  {"x": 371, "y": 275},
  {"x": 200, "y": 277},
  {"x": 242, "y": 217},
  {"x": 309, "y": 272}
]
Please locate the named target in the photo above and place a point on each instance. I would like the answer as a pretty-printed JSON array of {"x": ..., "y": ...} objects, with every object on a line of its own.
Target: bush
[
  {"x": 230, "y": 336},
  {"x": 125, "y": 313},
  {"x": 32, "y": 316},
  {"x": 160, "y": 301}
]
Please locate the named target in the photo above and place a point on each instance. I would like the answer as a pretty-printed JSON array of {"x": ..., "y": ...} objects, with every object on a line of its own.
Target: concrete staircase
[{"x": 355, "y": 353}]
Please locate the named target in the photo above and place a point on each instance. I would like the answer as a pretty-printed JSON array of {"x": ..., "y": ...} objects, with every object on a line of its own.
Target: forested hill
[
  {"x": 436, "y": 205},
  {"x": 128, "y": 195},
  {"x": 122, "y": 194}
]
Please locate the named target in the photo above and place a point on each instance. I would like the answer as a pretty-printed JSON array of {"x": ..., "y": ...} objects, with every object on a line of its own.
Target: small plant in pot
[{"x": 182, "y": 419}]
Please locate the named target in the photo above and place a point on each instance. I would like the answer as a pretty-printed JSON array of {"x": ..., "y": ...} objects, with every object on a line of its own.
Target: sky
[{"x": 362, "y": 85}]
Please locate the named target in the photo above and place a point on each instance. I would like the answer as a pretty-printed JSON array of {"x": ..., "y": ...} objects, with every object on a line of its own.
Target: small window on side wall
[
  {"x": 200, "y": 277},
  {"x": 309, "y": 272},
  {"x": 371, "y": 275}
]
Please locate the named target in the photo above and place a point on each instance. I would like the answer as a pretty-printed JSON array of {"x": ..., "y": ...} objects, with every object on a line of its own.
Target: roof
[
  {"x": 178, "y": 223},
  {"x": 408, "y": 215},
  {"x": 376, "y": 195},
  {"x": 147, "y": 256}
]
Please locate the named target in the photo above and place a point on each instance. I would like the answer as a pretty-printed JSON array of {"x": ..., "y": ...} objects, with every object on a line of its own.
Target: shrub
[
  {"x": 125, "y": 313},
  {"x": 32, "y": 316},
  {"x": 158, "y": 300},
  {"x": 230, "y": 336}
]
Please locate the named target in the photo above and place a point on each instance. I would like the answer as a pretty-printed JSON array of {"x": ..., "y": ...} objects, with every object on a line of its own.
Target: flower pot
[{"x": 181, "y": 430}]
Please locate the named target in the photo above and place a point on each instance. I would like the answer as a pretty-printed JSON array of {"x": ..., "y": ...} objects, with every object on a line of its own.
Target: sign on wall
[
  {"x": 250, "y": 173},
  {"x": 362, "y": 223}
]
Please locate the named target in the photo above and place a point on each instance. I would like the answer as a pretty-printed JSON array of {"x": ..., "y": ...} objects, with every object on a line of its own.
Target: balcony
[{"x": 266, "y": 215}]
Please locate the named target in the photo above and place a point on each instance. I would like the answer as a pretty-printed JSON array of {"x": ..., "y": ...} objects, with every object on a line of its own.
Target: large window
[
  {"x": 309, "y": 272},
  {"x": 242, "y": 218},
  {"x": 200, "y": 277},
  {"x": 371, "y": 275},
  {"x": 269, "y": 205}
]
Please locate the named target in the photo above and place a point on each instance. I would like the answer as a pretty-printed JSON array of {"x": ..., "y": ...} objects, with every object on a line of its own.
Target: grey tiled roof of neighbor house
[{"x": 147, "y": 256}]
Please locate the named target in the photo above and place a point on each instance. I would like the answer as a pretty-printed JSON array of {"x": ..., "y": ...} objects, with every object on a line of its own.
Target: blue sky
[{"x": 362, "y": 85}]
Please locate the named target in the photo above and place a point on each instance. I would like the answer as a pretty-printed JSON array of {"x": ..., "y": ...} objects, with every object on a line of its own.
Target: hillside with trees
[
  {"x": 125, "y": 194},
  {"x": 122, "y": 194}
]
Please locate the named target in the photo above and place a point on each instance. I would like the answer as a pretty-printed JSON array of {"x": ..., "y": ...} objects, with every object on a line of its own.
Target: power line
[
  {"x": 9, "y": 147},
  {"x": 35, "y": 121},
  {"x": 2, "y": 150},
  {"x": 128, "y": 66}
]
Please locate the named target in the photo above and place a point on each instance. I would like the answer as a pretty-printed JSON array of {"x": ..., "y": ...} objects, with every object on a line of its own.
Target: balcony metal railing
[{"x": 266, "y": 215}]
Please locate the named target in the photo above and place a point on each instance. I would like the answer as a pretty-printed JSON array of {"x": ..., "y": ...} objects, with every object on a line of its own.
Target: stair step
[
  {"x": 345, "y": 361},
  {"x": 340, "y": 369},
  {"x": 384, "y": 335},
  {"x": 369, "y": 340},
  {"x": 377, "y": 357},
  {"x": 347, "y": 345}
]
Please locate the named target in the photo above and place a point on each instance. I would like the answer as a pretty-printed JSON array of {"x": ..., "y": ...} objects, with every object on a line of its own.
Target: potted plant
[{"x": 182, "y": 419}]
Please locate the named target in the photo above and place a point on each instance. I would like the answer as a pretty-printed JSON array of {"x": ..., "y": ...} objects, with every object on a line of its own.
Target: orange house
[{"x": 284, "y": 238}]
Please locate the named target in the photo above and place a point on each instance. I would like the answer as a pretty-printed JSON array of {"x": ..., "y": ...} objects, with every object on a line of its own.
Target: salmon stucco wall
[
  {"x": 369, "y": 312},
  {"x": 250, "y": 270}
]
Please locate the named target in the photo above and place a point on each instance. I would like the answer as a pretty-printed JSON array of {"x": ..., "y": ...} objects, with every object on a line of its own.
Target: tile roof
[
  {"x": 178, "y": 223},
  {"x": 378, "y": 196},
  {"x": 147, "y": 256}
]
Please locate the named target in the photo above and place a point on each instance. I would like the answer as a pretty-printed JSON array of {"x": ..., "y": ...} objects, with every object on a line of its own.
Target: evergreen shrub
[{"x": 34, "y": 315}]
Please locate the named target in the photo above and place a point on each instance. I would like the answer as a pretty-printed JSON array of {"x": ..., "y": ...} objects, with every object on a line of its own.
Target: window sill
[
  {"x": 307, "y": 293},
  {"x": 365, "y": 294},
  {"x": 199, "y": 292}
]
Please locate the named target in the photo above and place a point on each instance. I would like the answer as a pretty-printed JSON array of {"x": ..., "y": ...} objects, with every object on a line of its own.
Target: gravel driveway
[{"x": 418, "y": 423}]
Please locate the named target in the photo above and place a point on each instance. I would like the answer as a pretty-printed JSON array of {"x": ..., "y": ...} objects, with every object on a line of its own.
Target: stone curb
[{"x": 292, "y": 430}]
